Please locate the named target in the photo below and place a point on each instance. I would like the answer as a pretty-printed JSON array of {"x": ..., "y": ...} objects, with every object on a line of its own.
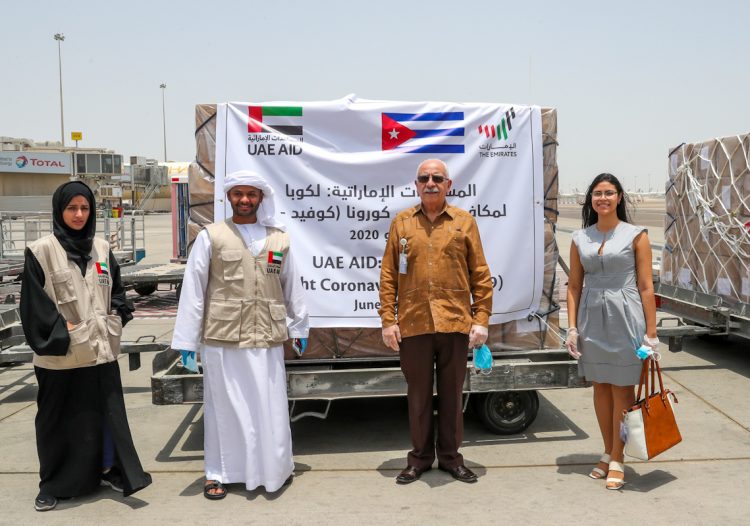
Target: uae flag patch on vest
[
  {"x": 102, "y": 273},
  {"x": 274, "y": 262}
]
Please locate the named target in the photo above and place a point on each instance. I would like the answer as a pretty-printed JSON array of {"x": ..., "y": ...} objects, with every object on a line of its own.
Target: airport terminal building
[{"x": 30, "y": 172}]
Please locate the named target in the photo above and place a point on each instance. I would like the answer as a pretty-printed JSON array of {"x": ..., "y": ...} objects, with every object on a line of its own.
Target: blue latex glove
[
  {"x": 188, "y": 361},
  {"x": 299, "y": 345}
]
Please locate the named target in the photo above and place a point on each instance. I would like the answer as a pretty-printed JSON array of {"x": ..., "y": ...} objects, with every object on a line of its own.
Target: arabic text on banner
[{"x": 341, "y": 170}]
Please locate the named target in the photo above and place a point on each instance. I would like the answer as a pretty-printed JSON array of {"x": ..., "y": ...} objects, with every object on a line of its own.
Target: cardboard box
[
  {"x": 535, "y": 333},
  {"x": 683, "y": 275},
  {"x": 745, "y": 284},
  {"x": 694, "y": 233},
  {"x": 670, "y": 229},
  {"x": 728, "y": 278},
  {"x": 666, "y": 270}
]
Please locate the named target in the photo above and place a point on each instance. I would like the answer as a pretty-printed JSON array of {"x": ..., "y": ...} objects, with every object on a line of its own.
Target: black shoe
[
  {"x": 45, "y": 502},
  {"x": 113, "y": 479},
  {"x": 215, "y": 485},
  {"x": 461, "y": 473},
  {"x": 411, "y": 474},
  {"x": 288, "y": 481}
]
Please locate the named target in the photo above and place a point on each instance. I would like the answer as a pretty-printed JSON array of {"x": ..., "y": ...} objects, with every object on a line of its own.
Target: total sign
[{"x": 35, "y": 162}]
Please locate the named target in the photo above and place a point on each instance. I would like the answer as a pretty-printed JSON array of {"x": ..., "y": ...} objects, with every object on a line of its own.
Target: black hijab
[{"x": 77, "y": 243}]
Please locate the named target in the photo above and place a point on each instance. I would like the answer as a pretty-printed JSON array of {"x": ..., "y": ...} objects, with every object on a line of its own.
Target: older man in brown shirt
[{"x": 436, "y": 298}]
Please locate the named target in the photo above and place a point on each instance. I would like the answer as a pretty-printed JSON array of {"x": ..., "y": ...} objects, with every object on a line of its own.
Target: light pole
[
  {"x": 60, "y": 37},
  {"x": 163, "y": 87}
]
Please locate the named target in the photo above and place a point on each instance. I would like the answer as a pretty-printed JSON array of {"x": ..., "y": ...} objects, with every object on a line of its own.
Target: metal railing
[{"x": 126, "y": 235}]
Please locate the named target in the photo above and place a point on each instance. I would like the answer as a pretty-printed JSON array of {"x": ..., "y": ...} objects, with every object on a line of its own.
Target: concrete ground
[{"x": 345, "y": 465}]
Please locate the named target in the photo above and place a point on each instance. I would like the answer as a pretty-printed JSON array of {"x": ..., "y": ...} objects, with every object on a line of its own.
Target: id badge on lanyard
[{"x": 402, "y": 257}]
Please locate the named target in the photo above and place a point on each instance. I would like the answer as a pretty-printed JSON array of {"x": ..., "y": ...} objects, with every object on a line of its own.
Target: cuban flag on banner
[{"x": 430, "y": 132}]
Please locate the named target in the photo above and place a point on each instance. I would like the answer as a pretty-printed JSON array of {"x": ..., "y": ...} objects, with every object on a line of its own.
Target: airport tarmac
[{"x": 345, "y": 465}]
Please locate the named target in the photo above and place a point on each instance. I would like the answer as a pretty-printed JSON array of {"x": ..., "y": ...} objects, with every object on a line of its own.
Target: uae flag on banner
[{"x": 279, "y": 119}]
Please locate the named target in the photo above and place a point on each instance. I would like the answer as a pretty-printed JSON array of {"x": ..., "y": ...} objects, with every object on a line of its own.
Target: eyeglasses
[
  {"x": 437, "y": 179},
  {"x": 607, "y": 194}
]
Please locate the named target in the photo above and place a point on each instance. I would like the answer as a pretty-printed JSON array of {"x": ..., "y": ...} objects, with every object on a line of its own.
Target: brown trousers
[{"x": 448, "y": 353}]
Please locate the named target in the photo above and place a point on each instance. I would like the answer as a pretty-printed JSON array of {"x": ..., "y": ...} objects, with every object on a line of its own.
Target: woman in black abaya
[{"x": 82, "y": 433}]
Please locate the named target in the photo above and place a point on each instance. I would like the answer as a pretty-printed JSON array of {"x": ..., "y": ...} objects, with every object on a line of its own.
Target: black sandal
[{"x": 214, "y": 484}]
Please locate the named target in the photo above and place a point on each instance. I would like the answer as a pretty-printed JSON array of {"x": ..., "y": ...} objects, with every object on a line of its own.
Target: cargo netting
[{"x": 707, "y": 222}]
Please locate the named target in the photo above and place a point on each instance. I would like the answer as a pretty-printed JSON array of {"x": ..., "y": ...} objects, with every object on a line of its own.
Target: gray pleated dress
[{"x": 611, "y": 323}]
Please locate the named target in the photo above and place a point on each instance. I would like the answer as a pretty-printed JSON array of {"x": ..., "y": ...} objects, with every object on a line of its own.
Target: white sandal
[
  {"x": 598, "y": 473},
  {"x": 613, "y": 482}
]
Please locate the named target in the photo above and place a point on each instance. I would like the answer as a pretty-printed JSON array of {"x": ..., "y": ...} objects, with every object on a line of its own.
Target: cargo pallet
[
  {"x": 505, "y": 399},
  {"x": 697, "y": 313}
]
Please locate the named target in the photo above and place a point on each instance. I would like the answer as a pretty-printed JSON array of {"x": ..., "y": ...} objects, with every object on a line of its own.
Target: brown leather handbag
[{"x": 649, "y": 426}]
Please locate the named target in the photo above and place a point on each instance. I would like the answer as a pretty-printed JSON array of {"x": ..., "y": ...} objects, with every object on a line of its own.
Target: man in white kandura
[{"x": 240, "y": 286}]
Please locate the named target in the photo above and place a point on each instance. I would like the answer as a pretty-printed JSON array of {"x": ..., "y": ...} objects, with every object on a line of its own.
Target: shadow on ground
[
  {"x": 640, "y": 477},
  {"x": 372, "y": 424},
  {"x": 725, "y": 352}
]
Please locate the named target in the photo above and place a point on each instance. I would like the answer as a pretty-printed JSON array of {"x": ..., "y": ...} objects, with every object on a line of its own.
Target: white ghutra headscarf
[{"x": 267, "y": 209}]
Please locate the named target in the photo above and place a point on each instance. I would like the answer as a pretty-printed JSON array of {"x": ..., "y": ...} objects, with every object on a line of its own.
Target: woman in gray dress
[{"x": 612, "y": 312}]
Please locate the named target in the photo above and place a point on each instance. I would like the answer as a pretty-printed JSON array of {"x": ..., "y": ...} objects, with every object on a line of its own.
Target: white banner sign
[
  {"x": 343, "y": 169},
  {"x": 35, "y": 162}
]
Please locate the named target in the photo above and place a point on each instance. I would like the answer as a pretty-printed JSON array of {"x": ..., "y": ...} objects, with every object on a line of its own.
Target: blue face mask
[
  {"x": 483, "y": 359},
  {"x": 643, "y": 352},
  {"x": 299, "y": 345}
]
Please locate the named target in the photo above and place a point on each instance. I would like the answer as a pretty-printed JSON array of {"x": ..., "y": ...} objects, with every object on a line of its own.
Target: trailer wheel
[
  {"x": 145, "y": 290},
  {"x": 507, "y": 412}
]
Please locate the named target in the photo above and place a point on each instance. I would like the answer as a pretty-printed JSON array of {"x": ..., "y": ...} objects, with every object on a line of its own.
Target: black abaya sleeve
[
  {"x": 45, "y": 328},
  {"x": 119, "y": 302}
]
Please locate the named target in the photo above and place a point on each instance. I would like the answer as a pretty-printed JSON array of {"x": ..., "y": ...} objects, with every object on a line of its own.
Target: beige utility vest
[
  {"x": 84, "y": 301},
  {"x": 245, "y": 300}
]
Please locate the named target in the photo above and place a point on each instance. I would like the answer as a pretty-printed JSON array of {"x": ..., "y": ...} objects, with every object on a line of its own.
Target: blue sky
[{"x": 629, "y": 80}]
